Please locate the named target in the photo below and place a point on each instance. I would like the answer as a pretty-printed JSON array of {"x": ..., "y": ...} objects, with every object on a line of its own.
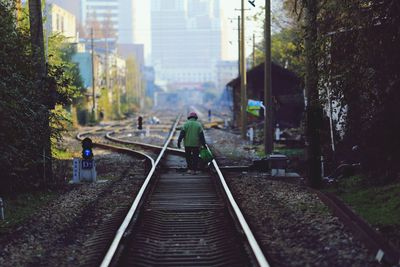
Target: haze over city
[{"x": 229, "y": 13}]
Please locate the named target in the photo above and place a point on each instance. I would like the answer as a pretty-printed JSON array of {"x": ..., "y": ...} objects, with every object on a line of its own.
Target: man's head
[{"x": 192, "y": 115}]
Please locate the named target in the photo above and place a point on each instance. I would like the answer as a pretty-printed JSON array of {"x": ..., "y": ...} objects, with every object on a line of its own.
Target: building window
[
  {"x": 57, "y": 22},
  {"x": 62, "y": 24}
]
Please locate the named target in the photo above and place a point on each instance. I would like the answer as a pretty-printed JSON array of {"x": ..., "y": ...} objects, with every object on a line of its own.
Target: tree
[
  {"x": 24, "y": 115},
  {"x": 134, "y": 88},
  {"x": 313, "y": 108},
  {"x": 361, "y": 39},
  {"x": 358, "y": 63},
  {"x": 287, "y": 50},
  {"x": 37, "y": 46},
  {"x": 286, "y": 41}
]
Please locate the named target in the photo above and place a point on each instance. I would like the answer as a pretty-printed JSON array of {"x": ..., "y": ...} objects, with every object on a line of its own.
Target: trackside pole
[{"x": 1, "y": 209}]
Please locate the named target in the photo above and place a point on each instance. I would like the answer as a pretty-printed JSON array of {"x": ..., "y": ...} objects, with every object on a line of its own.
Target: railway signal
[
  {"x": 87, "y": 152},
  {"x": 140, "y": 123},
  {"x": 84, "y": 169}
]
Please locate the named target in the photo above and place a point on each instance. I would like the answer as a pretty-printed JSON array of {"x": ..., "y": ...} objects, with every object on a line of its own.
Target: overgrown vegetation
[
  {"x": 378, "y": 205},
  {"x": 27, "y": 113},
  {"x": 23, "y": 206},
  {"x": 361, "y": 39},
  {"x": 358, "y": 69}
]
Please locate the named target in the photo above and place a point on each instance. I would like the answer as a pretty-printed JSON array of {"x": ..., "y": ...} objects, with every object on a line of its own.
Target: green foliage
[
  {"x": 23, "y": 206},
  {"x": 104, "y": 104},
  {"x": 25, "y": 103},
  {"x": 286, "y": 42},
  {"x": 377, "y": 205},
  {"x": 134, "y": 86},
  {"x": 61, "y": 154},
  {"x": 363, "y": 69},
  {"x": 290, "y": 152},
  {"x": 359, "y": 62},
  {"x": 286, "y": 50},
  {"x": 116, "y": 103}
]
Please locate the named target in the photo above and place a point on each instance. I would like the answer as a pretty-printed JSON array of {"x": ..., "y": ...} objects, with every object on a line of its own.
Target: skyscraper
[
  {"x": 186, "y": 39},
  {"x": 118, "y": 14}
]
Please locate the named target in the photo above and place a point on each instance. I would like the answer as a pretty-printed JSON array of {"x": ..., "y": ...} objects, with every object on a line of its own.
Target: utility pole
[
  {"x": 93, "y": 77},
  {"x": 313, "y": 109},
  {"x": 37, "y": 43},
  {"x": 239, "y": 58},
  {"x": 243, "y": 77},
  {"x": 268, "y": 140},
  {"x": 107, "y": 59},
  {"x": 118, "y": 89},
  {"x": 235, "y": 116}
]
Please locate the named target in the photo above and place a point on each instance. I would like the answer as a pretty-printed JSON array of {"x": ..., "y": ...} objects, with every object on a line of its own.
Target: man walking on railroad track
[{"x": 193, "y": 136}]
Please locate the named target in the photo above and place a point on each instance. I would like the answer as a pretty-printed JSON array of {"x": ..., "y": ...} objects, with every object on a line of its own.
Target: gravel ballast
[
  {"x": 292, "y": 225},
  {"x": 56, "y": 235}
]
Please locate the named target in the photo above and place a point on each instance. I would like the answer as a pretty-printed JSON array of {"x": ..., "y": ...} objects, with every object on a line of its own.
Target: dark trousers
[{"x": 192, "y": 157}]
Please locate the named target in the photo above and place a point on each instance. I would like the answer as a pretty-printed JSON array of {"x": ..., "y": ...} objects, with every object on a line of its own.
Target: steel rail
[
  {"x": 114, "y": 245},
  {"x": 262, "y": 261},
  {"x": 145, "y": 145},
  {"x": 258, "y": 254}
]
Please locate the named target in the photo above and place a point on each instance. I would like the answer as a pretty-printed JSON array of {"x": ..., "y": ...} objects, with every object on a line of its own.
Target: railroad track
[{"x": 178, "y": 219}]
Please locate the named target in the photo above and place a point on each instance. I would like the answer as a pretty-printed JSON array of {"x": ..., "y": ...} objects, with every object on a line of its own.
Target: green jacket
[{"x": 192, "y": 133}]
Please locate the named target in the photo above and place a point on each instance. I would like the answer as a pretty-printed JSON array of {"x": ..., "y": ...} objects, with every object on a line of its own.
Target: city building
[
  {"x": 135, "y": 50},
  {"x": 126, "y": 22},
  {"x": 226, "y": 71},
  {"x": 117, "y": 15},
  {"x": 60, "y": 21},
  {"x": 72, "y": 6},
  {"x": 186, "y": 40},
  {"x": 149, "y": 79},
  {"x": 84, "y": 61},
  {"x": 118, "y": 73}
]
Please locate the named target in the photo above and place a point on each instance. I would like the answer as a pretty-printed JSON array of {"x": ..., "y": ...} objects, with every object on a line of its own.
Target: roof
[{"x": 259, "y": 70}]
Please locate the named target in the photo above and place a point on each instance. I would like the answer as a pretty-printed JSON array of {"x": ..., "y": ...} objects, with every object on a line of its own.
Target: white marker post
[
  {"x": 75, "y": 170},
  {"x": 1, "y": 209}
]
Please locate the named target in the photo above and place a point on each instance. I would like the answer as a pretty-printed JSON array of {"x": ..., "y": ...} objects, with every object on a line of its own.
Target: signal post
[{"x": 84, "y": 169}]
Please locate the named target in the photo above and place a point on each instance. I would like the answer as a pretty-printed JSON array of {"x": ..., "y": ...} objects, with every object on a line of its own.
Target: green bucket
[{"x": 206, "y": 155}]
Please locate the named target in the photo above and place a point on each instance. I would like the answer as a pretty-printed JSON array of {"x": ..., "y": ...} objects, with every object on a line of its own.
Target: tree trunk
[
  {"x": 314, "y": 110},
  {"x": 38, "y": 53}
]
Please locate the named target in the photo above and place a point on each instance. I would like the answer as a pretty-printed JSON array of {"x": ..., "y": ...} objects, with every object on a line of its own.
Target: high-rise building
[
  {"x": 227, "y": 70},
  {"x": 186, "y": 40},
  {"x": 116, "y": 14},
  {"x": 126, "y": 22}
]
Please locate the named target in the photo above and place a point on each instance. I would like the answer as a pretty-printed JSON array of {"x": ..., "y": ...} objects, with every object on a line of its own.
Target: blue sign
[
  {"x": 255, "y": 104},
  {"x": 87, "y": 164}
]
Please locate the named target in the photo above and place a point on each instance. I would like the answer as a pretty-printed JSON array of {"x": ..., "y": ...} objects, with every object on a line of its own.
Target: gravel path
[
  {"x": 292, "y": 225},
  {"x": 56, "y": 235}
]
